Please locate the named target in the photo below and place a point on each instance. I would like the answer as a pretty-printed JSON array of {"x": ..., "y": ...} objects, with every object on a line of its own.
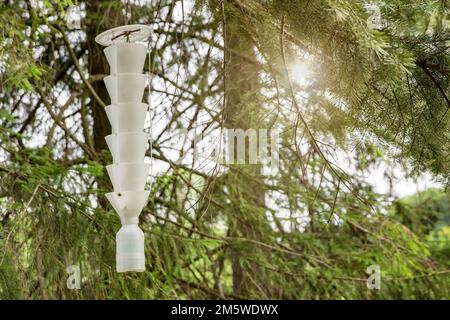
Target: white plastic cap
[{"x": 130, "y": 254}]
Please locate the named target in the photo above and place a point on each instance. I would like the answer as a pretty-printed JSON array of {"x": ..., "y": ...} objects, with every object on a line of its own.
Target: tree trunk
[
  {"x": 248, "y": 221},
  {"x": 97, "y": 64},
  {"x": 98, "y": 21}
]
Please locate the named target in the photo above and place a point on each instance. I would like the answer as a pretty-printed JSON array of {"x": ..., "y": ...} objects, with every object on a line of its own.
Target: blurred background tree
[{"x": 351, "y": 85}]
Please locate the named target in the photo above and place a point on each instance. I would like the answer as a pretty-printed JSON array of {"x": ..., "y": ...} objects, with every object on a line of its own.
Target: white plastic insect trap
[{"x": 126, "y": 52}]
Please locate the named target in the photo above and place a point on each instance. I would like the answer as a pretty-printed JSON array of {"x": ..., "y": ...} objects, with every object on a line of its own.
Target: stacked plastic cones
[{"x": 128, "y": 144}]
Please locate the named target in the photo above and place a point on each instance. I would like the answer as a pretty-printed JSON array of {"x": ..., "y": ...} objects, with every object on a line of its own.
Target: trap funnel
[
  {"x": 127, "y": 117},
  {"x": 126, "y": 87},
  {"x": 127, "y": 146},
  {"x": 126, "y": 57},
  {"x": 128, "y": 176}
]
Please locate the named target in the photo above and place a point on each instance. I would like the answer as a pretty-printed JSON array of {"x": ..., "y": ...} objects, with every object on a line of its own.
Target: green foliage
[
  {"x": 307, "y": 231},
  {"x": 427, "y": 214},
  {"x": 19, "y": 66}
]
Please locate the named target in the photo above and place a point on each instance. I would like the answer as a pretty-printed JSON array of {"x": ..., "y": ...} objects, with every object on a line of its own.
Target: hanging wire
[
  {"x": 127, "y": 12},
  {"x": 150, "y": 111}
]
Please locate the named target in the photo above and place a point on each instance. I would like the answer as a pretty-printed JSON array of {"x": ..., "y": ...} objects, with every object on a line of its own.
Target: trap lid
[{"x": 128, "y": 33}]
